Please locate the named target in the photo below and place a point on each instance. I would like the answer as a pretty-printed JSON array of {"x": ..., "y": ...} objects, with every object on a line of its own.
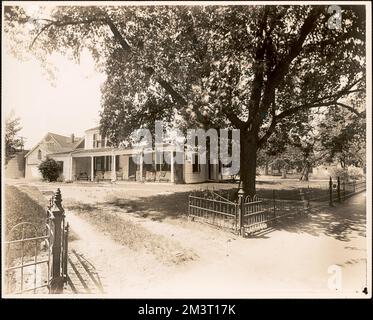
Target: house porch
[{"x": 119, "y": 165}]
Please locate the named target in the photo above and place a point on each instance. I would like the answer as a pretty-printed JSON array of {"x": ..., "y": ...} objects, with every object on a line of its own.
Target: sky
[{"x": 69, "y": 106}]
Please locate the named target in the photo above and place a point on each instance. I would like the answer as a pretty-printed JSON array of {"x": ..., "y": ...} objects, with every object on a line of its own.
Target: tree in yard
[
  {"x": 252, "y": 68},
  {"x": 343, "y": 139},
  {"x": 295, "y": 145},
  {"x": 13, "y": 142}
]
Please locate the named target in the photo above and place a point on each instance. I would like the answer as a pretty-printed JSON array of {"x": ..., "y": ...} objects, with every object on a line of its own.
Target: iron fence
[
  {"x": 245, "y": 215},
  {"x": 39, "y": 257},
  {"x": 211, "y": 207},
  {"x": 25, "y": 255},
  {"x": 335, "y": 191}
]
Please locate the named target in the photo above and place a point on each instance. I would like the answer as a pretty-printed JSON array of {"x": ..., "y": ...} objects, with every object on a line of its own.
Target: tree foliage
[
  {"x": 13, "y": 142},
  {"x": 343, "y": 138},
  {"x": 254, "y": 68}
]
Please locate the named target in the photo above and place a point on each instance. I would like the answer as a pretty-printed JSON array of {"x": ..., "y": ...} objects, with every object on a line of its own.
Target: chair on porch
[
  {"x": 107, "y": 175},
  {"x": 99, "y": 176},
  {"x": 119, "y": 174},
  {"x": 82, "y": 176},
  {"x": 164, "y": 176},
  {"x": 150, "y": 176}
]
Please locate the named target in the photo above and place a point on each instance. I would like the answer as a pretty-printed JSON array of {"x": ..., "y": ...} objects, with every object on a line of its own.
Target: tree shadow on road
[
  {"x": 159, "y": 207},
  {"x": 338, "y": 222},
  {"x": 175, "y": 205}
]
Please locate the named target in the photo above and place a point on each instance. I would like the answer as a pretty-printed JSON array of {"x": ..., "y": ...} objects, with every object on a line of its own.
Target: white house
[{"x": 92, "y": 158}]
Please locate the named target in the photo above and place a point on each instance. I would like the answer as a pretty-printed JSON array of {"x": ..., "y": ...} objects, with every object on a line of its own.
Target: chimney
[{"x": 72, "y": 138}]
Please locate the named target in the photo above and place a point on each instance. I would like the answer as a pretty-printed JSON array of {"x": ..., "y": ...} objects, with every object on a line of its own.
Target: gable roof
[
  {"x": 62, "y": 143},
  {"x": 92, "y": 129}
]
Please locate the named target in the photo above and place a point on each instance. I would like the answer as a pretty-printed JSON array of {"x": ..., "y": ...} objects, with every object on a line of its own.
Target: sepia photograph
[{"x": 186, "y": 150}]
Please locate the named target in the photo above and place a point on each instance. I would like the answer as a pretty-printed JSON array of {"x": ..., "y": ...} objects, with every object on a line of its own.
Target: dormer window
[
  {"x": 97, "y": 141},
  {"x": 39, "y": 154}
]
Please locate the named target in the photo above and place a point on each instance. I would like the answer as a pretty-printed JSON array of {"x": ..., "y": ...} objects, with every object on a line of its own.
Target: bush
[
  {"x": 355, "y": 173},
  {"x": 50, "y": 170},
  {"x": 347, "y": 174},
  {"x": 339, "y": 172}
]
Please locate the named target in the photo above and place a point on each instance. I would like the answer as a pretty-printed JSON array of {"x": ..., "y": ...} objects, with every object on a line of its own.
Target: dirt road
[{"x": 293, "y": 260}]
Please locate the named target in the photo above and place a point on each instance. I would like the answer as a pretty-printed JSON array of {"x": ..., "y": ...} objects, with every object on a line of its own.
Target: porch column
[
  {"x": 141, "y": 164},
  {"x": 172, "y": 168},
  {"x": 92, "y": 169},
  {"x": 71, "y": 169},
  {"x": 113, "y": 169}
]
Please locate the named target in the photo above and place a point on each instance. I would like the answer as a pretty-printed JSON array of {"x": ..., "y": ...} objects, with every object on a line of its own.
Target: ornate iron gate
[
  {"x": 28, "y": 258},
  {"x": 36, "y": 261},
  {"x": 213, "y": 208}
]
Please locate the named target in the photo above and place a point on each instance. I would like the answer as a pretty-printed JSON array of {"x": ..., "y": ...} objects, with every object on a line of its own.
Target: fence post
[
  {"x": 65, "y": 251},
  {"x": 240, "y": 211},
  {"x": 274, "y": 202},
  {"x": 330, "y": 191},
  {"x": 354, "y": 184},
  {"x": 58, "y": 212},
  {"x": 339, "y": 189}
]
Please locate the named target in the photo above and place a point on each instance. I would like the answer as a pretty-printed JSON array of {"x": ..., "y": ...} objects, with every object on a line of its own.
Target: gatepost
[
  {"x": 241, "y": 194},
  {"x": 58, "y": 215}
]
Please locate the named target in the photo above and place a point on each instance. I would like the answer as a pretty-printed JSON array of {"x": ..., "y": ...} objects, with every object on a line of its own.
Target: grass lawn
[
  {"x": 24, "y": 207},
  {"x": 23, "y": 204}
]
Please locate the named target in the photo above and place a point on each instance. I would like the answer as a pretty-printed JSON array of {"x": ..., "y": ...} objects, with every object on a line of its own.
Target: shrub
[
  {"x": 339, "y": 172},
  {"x": 50, "y": 170},
  {"x": 354, "y": 173},
  {"x": 347, "y": 174}
]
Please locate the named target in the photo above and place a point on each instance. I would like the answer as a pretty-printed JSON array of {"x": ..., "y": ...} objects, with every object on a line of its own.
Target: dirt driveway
[{"x": 293, "y": 260}]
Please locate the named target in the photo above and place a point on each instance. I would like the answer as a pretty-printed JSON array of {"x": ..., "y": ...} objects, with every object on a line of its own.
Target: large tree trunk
[{"x": 248, "y": 145}]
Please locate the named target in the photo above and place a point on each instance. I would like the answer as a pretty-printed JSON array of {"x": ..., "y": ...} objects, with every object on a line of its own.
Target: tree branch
[
  {"x": 290, "y": 112},
  {"x": 277, "y": 74},
  {"x": 177, "y": 97},
  {"x": 63, "y": 24},
  {"x": 237, "y": 122}
]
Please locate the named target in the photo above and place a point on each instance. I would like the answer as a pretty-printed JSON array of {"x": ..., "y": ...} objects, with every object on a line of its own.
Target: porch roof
[
  {"x": 110, "y": 151},
  {"x": 96, "y": 152}
]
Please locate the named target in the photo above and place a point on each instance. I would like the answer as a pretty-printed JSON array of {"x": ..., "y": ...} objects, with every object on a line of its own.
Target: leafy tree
[
  {"x": 50, "y": 170},
  {"x": 246, "y": 67},
  {"x": 295, "y": 144},
  {"x": 13, "y": 142},
  {"x": 343, "y": 138}
]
